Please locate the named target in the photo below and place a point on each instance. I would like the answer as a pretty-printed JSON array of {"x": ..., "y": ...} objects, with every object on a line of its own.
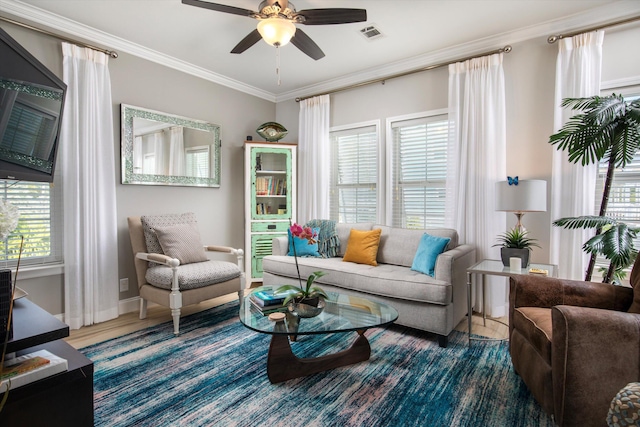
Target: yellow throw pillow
[{"x": 362, "y": 247}]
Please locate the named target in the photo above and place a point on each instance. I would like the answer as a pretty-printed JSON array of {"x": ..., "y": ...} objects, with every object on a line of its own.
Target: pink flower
[{"x": 303, "y": 233}]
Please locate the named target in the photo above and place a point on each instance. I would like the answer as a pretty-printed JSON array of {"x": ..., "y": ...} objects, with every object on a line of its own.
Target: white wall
[
  {"x": 145, "y": 84},
  {"x": 529, "y": 78}
]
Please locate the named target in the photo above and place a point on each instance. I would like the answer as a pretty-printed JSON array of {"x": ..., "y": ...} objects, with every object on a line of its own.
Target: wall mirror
[{"x": 165, "y": 149}]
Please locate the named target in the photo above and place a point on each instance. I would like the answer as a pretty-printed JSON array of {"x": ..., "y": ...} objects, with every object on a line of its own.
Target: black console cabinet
[{"x": 64, "y": 399}]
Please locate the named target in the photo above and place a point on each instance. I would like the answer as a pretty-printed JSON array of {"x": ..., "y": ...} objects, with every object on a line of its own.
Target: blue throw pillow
[
  {"x": 428, "y": 250},
  {"x": 303, "y": 248}
]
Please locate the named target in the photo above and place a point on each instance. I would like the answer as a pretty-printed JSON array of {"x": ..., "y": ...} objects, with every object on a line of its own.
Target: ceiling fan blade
[
  {"x": 252, "y": 38},
  {"x": 332, "y": 16},
  {"x": 303, "y": 42},
  {"x": 219, "y": 7}
]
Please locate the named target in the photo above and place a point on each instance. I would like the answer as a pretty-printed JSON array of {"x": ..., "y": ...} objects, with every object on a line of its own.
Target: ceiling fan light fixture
[{"x": 276, "y": 31}]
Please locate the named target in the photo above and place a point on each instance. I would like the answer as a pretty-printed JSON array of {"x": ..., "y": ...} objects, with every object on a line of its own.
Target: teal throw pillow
[
  {"x": 303, "y": 248},
  {"x": 428, "y": 250}
]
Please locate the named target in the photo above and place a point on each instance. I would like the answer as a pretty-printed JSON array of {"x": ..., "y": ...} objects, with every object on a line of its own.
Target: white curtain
[
  {"x": 138, "y": 160},
  {"x": 176, "y": 151},
  {"x": 477, "y": 159},
  {"x": 88, "y": 181},
  {"x": 578, "y": 71},
  {"x": 314, "y": 153},
  {"x": 157, "y": 142}
]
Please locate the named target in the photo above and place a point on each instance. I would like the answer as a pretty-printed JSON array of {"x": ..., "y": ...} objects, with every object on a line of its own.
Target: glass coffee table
[{"x": 342, "y": 313}]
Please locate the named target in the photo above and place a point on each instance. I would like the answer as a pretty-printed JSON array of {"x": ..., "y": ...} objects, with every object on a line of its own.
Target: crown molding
[
  {"x": 594, "y": 17},
  {"x": 69, "y": 28}
]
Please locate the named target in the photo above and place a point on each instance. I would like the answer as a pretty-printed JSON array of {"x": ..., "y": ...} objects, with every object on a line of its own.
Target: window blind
[
  {"x": 354, "y": 175},
  {"x": 418, "y": 172},
  {"x": 40, "y": 224},
  {"x": 197, "y": 162}
]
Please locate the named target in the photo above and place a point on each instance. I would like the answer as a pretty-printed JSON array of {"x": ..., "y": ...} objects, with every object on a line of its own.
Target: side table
[{"x": 496, "y": 268}]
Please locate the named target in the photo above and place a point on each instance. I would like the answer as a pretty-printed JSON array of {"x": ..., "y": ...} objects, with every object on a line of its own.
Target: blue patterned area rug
[{"x": 214, "y": 374}]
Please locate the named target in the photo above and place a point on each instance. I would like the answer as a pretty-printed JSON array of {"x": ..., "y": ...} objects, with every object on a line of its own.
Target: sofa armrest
[
  {"x": 595, "y": 353},
  {"x": 539, "y": 291},
  {"x": 455, "y": 262},
  {"x": 280, "y": 245}
]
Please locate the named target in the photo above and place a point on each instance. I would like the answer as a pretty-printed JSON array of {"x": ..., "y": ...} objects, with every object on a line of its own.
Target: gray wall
[
  {"x": 529, "y": 70},
  {"x": 530, "y": 82},
  {"x": 146, "y": 84}
]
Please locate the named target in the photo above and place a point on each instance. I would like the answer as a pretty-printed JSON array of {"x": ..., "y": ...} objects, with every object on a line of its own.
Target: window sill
[{"x": 35, "y": 271}]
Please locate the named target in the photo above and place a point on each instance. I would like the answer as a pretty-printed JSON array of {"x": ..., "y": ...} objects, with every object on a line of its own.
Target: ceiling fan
[{"x": 277, "y": 19}]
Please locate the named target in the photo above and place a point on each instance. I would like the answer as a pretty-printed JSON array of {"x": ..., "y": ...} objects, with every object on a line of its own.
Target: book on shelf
[{"x": 31, "y": 367}]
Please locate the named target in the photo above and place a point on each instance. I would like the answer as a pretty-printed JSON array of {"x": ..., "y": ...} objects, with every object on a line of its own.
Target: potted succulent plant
[
  {"x": 515, "y": 244},
  {"x": 306, "y": 300}
]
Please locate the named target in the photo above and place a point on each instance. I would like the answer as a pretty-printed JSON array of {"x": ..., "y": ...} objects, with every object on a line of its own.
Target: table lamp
[{"x": 520, "y": 196}]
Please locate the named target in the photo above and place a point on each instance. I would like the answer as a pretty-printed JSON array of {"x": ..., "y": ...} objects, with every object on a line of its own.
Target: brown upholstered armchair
[{"x": 575, "y": 344}]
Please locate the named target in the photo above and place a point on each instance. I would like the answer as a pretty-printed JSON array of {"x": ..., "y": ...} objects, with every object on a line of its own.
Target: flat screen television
[{"x": 31, "y": 104}]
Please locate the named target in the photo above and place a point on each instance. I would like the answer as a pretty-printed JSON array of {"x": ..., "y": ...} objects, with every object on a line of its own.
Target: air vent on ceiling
[{"x": 371, "y": 32}]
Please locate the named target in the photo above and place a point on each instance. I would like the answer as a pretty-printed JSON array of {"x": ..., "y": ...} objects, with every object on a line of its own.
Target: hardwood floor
[{"x": 130, "y": 322}]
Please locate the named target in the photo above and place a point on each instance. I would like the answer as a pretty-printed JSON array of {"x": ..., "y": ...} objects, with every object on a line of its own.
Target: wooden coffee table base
[{"x": 283, "y": 365}]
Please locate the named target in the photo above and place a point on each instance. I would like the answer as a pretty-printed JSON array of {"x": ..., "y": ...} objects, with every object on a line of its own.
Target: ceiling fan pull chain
[{"x": 278, "y": 63}]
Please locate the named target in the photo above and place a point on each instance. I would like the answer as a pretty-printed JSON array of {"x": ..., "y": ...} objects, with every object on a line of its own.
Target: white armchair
[{"x": 172, "y": 267}]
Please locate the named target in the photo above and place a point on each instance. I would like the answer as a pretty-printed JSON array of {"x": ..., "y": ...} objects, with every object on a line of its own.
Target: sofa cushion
[
  {"x": 428, "y": 250},
  {"x": 193, "y": 276},
  {"x": 303, "y": 247},
  {"x": 399, "y": 245},
  {"x": 384, "y": 280},
  {"x": 534, "y": 323},
  {"x": 362, "y": 247},
  {"x": 344, "y": 230},
  {"x": 181, "y": 241}
]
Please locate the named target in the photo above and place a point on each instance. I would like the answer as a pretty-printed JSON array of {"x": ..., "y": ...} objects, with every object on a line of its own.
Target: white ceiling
[{"x": 416, "y": 33}]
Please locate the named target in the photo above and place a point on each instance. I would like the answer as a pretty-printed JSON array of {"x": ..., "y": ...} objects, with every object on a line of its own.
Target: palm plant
[
  {"x": 607, "y": 129},
  {"x": 615, "y": 241}
]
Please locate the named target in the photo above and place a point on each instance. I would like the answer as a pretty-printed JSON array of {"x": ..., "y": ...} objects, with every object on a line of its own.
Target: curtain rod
[
  {"x": 111, "y": 53},
  {"x": 505, "y": 49},
  {"x": 555, "y": 38}
]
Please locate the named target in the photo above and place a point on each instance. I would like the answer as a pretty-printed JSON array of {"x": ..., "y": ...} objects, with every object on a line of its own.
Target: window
[
  {"x": 40, "y": 224},
  {"x": 354, "y": 174},
  {"x": 197, "y": 161},
  {"x": 418, "y": 159},
  {"x": 624, "y": 197}
]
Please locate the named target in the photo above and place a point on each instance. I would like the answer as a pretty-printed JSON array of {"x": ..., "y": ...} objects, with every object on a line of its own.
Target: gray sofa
[{"x": 435, "y": 304}]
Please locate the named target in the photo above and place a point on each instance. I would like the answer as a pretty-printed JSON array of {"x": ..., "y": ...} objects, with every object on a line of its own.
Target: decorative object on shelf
[
  {"x": 272, "y": 131},
  {"x": 607, "y": 129},
  {"x": 302, "y": 299},
  {"x": 520, "y": 196},
  {"x": 515, "y": 244}
]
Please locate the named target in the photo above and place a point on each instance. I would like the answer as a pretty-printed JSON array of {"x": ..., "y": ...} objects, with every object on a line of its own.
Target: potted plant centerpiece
[
  {"x": 308, "y": 300},
  {"x": 515, "y": 244}
]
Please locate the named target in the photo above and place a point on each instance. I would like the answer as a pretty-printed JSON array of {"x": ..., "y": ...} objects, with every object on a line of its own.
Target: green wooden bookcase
[{"x": 270, "y": 202}]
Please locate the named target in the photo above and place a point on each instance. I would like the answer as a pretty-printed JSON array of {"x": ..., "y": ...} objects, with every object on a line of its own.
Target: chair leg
[
  {"x": 143, "y": 308},
  {"x": 175, "y": 313}
]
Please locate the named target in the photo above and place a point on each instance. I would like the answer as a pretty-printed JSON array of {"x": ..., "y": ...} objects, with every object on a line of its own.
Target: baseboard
[
  {"x": 125, "y": 306},
  {"x": 131, "y": 305}
]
